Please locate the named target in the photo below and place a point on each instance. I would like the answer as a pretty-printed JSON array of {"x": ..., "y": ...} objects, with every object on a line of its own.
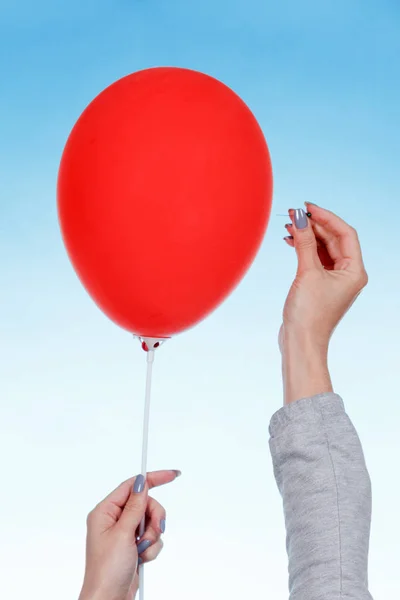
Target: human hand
[
  {"x": 330, "y": 276},
  {"x": 113, "y": 548}
]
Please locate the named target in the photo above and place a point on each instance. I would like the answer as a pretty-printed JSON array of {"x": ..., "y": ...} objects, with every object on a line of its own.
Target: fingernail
[
  {"x": 288, "y": 237},
  {"x": 289, "y": 225},
  {"x": 300, "y": 218},
  {"x": 177, "y": 473},
  {"x": 162, "y": 525},
  {"x": 140, "y": 560},
  {"x": 142, "y": 547},
  {"x": 310, "y": 204},
  {"x": 138, "y": 486}
]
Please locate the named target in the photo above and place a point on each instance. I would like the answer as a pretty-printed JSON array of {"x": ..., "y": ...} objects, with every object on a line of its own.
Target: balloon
[{"x": 164, "y": 195}]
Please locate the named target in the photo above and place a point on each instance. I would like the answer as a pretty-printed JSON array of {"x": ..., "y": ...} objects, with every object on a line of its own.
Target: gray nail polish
[
  {"x": 140, "y": 560},
  {"x": 162, "y": 525},
  {"x": 300, "y": 218},
  {"x": 142, "y": 547},
  {"x": 138, "y": 486}
]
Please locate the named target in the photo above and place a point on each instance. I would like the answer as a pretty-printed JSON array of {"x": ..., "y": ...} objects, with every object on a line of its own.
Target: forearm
[
  {"x": 304, "y": 367},
  {"x": 321, "y": 473}
]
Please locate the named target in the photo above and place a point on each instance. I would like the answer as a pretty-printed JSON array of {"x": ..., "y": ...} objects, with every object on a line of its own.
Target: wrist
[
  {"x": 91, "y": 595},
  {"x": 304, "y": 366},
  {"x": 90, "y": 592},
  {"x": 300, "y": 343}
]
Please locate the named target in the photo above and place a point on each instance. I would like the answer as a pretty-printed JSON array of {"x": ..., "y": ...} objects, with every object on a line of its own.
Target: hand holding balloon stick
[{"x": 164, "y": 196}]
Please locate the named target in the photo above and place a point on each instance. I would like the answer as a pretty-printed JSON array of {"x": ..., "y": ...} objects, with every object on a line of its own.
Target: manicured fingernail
[
  {"x": 162, "y": 525},
  {"x": 138, "y": 486},
  {"x": 142, "y": 547},
  {"x": 300, "y": 218},
  {"x": 140, "y": 560},
  {"x": 177, "y": 473},
  {"x": 288, "y": 237},
  {"x": 289, "y": 225}
]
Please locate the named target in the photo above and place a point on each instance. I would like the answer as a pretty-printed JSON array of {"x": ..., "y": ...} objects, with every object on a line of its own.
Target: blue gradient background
[{"x": 323, "y": 80}]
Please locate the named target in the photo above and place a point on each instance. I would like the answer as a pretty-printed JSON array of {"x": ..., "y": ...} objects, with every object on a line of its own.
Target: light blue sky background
[{"x": 323, "y": 81}]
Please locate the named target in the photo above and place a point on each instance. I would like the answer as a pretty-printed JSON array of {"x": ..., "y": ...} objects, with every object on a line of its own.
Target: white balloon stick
[
  {"x": 145, "y": 445},
  {"x": 148, "y": 344}
]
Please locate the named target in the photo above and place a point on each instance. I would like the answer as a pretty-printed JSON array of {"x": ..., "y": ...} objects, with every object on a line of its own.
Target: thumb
[
  {"x": 304, "y": 240},
  {"x": 135, "y": 507}
]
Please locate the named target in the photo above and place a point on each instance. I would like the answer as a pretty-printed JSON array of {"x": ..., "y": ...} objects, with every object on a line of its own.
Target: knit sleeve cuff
[{"x": 316, "y": 409}]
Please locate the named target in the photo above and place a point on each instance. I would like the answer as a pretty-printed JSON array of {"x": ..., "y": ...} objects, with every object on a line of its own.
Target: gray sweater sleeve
[{"x": 326, "y": 490}]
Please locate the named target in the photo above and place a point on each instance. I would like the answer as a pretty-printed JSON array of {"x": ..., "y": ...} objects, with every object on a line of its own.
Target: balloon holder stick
[{"x": 149, "y": 345}]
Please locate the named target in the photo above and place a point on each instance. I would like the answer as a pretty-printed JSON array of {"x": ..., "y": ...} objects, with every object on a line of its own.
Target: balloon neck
[{"x": 149, "y": 343}]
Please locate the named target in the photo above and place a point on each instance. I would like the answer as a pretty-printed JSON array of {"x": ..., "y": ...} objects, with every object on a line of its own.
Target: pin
[{"x": 309, "y": 215}]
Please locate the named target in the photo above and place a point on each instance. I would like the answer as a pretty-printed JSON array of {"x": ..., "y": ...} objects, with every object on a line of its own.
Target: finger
[
  {"x": 329, "y": 240},
  {"x": 120, "y": 495},
  {"x": 323, "y": 253},
  {"x": 135, "y": 507},
  {"x": 327, "y": 246},
  {"x": 157, "y": 478},
  {"x": 305, "y": 242},
  {"x": 345, "y": 234},
  {"x": 151, "y": 553},
  {"x": 137, "y": 503},
  {"x": 155, "y": 521},
  {"x": 289, "y": 240}
]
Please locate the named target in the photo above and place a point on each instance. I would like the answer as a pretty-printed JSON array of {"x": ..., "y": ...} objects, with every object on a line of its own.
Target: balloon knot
[{"x": 151, "y": 343}]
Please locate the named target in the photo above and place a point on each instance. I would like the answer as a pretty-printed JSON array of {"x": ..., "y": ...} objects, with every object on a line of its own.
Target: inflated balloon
[{"x": 164, "y": 196}]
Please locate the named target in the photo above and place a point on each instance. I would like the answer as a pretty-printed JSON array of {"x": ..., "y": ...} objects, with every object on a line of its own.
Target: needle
[{"x": 308, "y": 215}]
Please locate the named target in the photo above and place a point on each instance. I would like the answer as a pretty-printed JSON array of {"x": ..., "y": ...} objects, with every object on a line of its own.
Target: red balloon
[{"x": 164, "y": 195}]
